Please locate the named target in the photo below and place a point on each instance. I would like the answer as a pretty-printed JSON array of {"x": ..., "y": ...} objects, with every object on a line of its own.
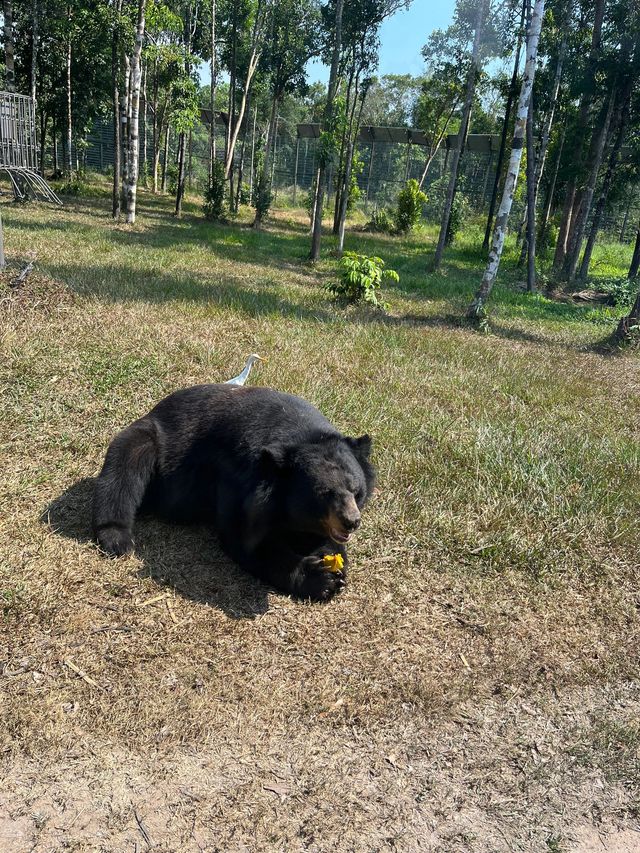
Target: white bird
[{"x": 242, "y": 377}]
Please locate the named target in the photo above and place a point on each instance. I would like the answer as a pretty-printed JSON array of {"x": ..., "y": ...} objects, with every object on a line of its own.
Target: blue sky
[{"x": 402, "y": 37}]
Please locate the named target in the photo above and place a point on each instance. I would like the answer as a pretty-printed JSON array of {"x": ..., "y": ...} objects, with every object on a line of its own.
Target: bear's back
[{"x": 238, "y": 418}]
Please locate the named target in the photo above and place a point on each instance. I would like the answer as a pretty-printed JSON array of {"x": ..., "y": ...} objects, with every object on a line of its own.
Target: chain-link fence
[{"x": 382, "y": 168}]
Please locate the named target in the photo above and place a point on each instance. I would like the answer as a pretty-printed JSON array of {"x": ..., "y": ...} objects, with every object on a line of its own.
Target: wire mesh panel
[{"x": 17, "y": 131}]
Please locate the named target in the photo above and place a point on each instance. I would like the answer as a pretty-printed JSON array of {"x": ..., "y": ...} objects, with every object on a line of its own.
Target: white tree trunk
[
  {"x": 69, "y": 163},
  {"x": 212, "y": 123},
  {"x": 10, "y": 76},
  {"x": 253, "y": 64},
  {"x": 133, "y": 146},
  {"x": 318, "y": 203},
  {"x": 476, "y": 309}
]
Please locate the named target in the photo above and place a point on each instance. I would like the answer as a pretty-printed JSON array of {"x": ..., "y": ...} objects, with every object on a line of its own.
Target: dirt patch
[{"x": 495, "y": 779}]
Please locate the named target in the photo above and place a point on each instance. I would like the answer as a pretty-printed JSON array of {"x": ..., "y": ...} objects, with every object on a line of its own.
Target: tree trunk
[
  {"x": 531, "y": 203},
  {"x": 344, "y": 201},
  {"x": 268, "y": 149},
  {"x": 44, "y": 121},
  {"x": 69, "y": 163},
  {"x": 565, "y": 225},
  {"x": 505, "y": 130},
  {"x": 579, "y": 222},
  {"x": 548, "y": 125},
  {"x": 124, "y": 131},
  {"x": 54, "y": 153},
  {"x": 145, "y": 117},
  {"x": 133, "y": 146},
  {"x": 316, "y": 227},
  {"x": 570, "y": 211},
  {"x": 212, "y": 100},
  {"x": 477, "y": 308},
  {"x": 614, "y": 158},
  {"x": 551, "y": 190},
  {"x": 233, "y": 137},
  {"x": 157, "y": 130},
  {"x": 635, "y": 260},
  {"x": 181, "y": 170},
  {"x": 34, "y": 52},
  {"x": 462, "y": 135},
  {"x": 115, "y": 45},
  {"x": 165, "y": 159},
  {"x": 10, "y": 74},
  {"x": 631, "y": 322}
]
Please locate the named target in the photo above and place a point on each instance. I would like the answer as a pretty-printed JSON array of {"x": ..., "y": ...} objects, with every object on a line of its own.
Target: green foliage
[
  {"x": 245, "y": 193},
  {"x": 74, "y": 185},
  {"x": 460, "y": 211},
  {"x": 360, "y": 278},
  {"x": 408, "y": 213},
  {"x": 382, "y": 221},
  {"x": 262, "y": 195},
  {"x": 214, "y": 194},
  {"x": 621, "y": 290},
  {"x": 355, "y": 193},
  {"x": 172, "y": 178}
]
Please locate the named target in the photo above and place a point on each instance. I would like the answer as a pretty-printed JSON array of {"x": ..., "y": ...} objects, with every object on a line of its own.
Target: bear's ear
[
  {"x": 273, "y": 458},
  {"x": 361, "y": 446}
]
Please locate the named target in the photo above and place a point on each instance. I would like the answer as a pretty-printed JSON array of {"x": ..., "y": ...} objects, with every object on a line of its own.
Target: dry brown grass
[{"x": 473, "y": 688}]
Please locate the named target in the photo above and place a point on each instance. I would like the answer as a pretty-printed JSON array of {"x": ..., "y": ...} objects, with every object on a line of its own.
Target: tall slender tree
[
  {"x": 326, "y": 142},
  {"x": 133, "y": 147},
  {"x": 511, "y": 96},
  {"x": 472, "y": 77},
  {"x": 477, "y": 308}
]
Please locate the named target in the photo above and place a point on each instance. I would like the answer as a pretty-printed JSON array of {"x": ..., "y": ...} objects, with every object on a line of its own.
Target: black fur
[{"x": 279, "y": 483}]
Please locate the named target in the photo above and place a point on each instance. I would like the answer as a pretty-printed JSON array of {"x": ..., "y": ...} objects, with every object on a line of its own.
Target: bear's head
[{"x": 323, "y": 485}]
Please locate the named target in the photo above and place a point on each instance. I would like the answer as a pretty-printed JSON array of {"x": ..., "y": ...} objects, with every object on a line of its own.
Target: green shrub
[
  {"x": 459, "y": 212},
  {"x": 214, "y": 194},
  {"x": 172, "y": 178},
  {"x": 245, "y": 193},
  {"x": 355, "y": 193},
  {"x": 381, "y": 222},
  {"x": 74, "y": 185},
  {"x": 408, "y": 213},
  {"x": 360, "y": 278},
  {"x": 621, "y": 290},
  {"x": 262, "y": 195}
]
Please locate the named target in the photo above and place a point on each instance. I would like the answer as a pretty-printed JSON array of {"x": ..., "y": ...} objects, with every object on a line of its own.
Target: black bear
[{"x": 282, "y": 487}]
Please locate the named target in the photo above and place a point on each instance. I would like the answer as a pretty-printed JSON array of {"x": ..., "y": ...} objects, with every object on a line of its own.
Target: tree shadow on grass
[{"x": 186, "y": 559}]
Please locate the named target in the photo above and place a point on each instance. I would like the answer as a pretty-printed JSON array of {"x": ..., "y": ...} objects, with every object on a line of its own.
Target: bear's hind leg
[{"x": 128, "y": 468}]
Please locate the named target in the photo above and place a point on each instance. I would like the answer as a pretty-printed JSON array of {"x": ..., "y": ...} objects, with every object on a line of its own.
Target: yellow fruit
[{"x": 333, "y": 562}]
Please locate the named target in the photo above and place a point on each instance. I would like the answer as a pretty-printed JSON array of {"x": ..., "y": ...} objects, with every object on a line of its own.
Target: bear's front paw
[
  {"x": 115, "y": 541},
  {"x": 318, "y": 582}
]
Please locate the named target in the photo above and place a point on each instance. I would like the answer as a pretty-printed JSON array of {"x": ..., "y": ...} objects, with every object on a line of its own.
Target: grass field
[{"x": 476, "y": 687}]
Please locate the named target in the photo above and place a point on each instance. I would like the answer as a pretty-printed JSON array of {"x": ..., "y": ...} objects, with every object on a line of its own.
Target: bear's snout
[{"x": 350, "y": 514}]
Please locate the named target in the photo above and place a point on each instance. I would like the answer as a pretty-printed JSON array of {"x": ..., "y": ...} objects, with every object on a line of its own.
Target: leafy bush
[
  {"x": 262, "y": 195},
  {"x": 381, "y": 222},
  {"x": 355, "y": 193},
  {"x": 360, "y": 278},
  {"x": 459, "y": 213},
  {"x": 172, "y": 178},
  {"x": 245, "y": 193},
  {"x": 621, "y": 290},
  {"x": 408, "y": 213},
  {"x": 435, "y": 203},
  {"x": 214, "y": 194},
  {"x": 76, "y": 184}
]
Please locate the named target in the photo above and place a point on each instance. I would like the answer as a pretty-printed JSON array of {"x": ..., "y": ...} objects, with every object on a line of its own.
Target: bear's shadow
[{"x": 185, "y": 558}]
